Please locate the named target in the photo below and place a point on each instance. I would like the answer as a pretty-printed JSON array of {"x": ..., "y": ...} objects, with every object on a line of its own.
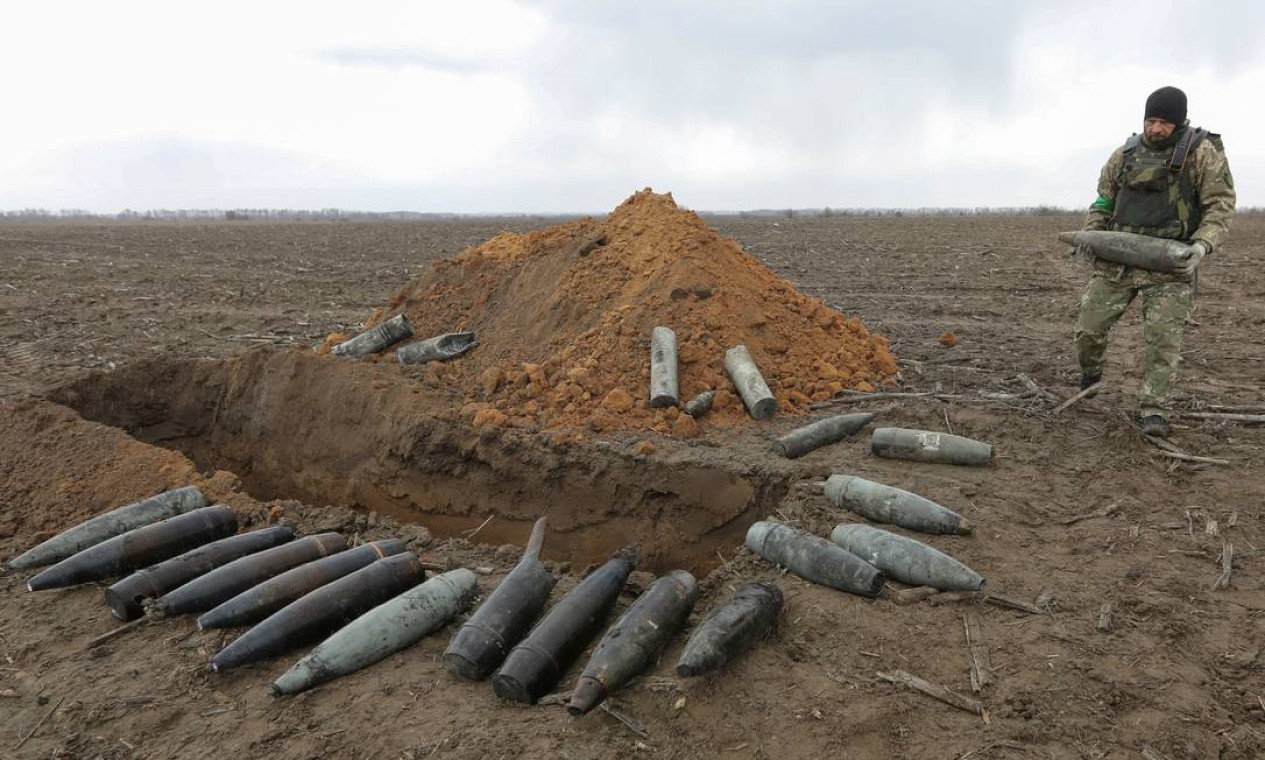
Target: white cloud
[{"x": 569, "y": 105}]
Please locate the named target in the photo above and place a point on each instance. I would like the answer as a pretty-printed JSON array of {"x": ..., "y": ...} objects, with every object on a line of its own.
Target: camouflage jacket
[{"x": 1210, "y": 176}]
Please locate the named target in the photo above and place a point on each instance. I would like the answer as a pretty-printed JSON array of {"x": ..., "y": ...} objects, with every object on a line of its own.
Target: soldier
[{"x": 1172, "y": 181}]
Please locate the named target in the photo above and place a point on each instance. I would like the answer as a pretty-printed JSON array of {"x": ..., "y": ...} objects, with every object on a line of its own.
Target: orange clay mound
[{"x": 563, "y": 319}]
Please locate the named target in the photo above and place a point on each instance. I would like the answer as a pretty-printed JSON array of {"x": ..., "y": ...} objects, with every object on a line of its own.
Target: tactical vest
[{"x": 1156, "y": 195}]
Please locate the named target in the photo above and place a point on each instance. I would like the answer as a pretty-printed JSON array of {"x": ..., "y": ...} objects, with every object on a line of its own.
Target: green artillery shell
[
  {"x": 1155, "y": 254},
  {"x": 800, "y": 441},
  {"x": 635, "y": 640},
  {"x": 537, "y": 664},
  {"x": 700, "y": 404},
  {"x": 139, "y": 548},
  {"x": 112, "y": 523},
  {"x": 905, "y": 559},
  {"x": 750, "y": 383},
  {"x": 814, "y": 558},
  {"x": 325, "y": 610},
  {"x": 928, "y": 446},
  {"x": 731, "y": 629},
  {"x": 504, "y": 617},
  {"x": 441, "y": 348},
  {"x": 886, "y": 504},
  {"x": 124, "y": 597},
  {"x": 375, "y": 339},
  {"x": 260, "y": 601},
  {"x": 224, "y": 583},
  {"x": 663, "y": 368},
  {"x": 382, "y": 631}
]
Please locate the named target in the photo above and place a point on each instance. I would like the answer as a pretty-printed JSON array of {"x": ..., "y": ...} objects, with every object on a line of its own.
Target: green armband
[{"x": 1106, "y": 204}]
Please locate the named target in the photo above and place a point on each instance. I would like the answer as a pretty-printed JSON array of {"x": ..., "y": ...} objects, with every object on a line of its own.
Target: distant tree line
[
  {"x": 791, "y": 213},
  {"x": 214, "y": 214},
  {"x": 335, "y": 214}
]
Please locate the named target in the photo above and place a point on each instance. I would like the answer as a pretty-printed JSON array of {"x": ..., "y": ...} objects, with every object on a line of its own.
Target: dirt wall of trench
[{"x": 297, "y": 426}]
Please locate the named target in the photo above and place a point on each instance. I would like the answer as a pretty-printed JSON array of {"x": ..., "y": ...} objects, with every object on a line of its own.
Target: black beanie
[{"x": 1167, "y": 103}]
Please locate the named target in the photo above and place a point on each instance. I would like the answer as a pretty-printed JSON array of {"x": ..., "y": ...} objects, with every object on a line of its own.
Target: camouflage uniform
[{"x": 1167, "y": 298}]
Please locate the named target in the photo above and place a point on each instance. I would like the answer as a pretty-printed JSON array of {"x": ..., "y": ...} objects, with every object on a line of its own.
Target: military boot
[
  {"x": 1089, "y": 381},
  {"x": 1153, "y": 424}
]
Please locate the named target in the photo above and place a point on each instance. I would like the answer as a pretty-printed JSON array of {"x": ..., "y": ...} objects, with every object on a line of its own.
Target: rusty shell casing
[
  {"x": 664, "y": 387},
  {"x": 260, "y": 601},
  {"x": 635, "y": 640},
  {"x": 225, "y": 582},
  {"x": 139, "y": 548},
  {"x": 700, "y": 404},
  {"x": 888, "y": 504},
  {"x": 814, "y": 558},
  {"x": 752, "y": 388},
  {"x": 504, "y": 617},
  {"x": 318, "y": 614},
  {"x": 440, "y": 348},
  {"x": 731, "y": 629},
  {"x": 808, "y": 438},
  {"x": 930, "y": 446},
  {"x": 124, "y": 598},
  {"x": 906, "y": 560},
  {"x": 110, "y": 524},
  {"x": 537, "y": 664},
  {"x": 375, "y": 339}
]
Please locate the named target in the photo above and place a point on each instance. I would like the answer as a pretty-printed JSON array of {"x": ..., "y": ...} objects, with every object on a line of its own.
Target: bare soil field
[{"x": 142, "y": 356}]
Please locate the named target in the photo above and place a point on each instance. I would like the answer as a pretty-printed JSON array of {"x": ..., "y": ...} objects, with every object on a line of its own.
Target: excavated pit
[{"x": 292, "y": 425}]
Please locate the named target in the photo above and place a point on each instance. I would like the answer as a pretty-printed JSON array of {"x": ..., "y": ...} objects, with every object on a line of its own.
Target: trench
[{"x": 292, "y": 425}]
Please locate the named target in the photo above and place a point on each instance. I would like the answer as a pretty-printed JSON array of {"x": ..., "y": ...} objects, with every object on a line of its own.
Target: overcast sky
[{"x": 571, "y": 105}]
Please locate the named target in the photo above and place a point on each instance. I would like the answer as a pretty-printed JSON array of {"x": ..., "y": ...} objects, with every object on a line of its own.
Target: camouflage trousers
[{"x": 1166, "y": 305}]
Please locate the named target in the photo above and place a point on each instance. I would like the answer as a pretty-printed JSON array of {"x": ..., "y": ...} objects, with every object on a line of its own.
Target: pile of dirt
[
  {"x": 563, "y": 317},
  {"x": 59, "y": 470}
]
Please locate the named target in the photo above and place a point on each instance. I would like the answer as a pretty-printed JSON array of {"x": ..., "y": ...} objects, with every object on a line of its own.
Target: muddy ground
[{"x": 1078, "y": 509}]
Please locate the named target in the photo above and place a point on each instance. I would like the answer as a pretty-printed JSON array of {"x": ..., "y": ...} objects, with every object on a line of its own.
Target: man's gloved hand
[
  {"x": 1187, "y": 266},
  {"x": 1083, "y": 252}
]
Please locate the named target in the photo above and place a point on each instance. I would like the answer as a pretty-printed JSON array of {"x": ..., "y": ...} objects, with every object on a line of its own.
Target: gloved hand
[
  {"x": 1187, "y": 266},
  {"x": 1083, "y": 252}
]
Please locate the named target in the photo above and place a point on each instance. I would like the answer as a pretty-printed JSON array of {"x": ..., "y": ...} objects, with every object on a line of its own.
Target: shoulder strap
[
  {"x": 1188, "y": 142},
  {"x": 1132, "y": 143}
]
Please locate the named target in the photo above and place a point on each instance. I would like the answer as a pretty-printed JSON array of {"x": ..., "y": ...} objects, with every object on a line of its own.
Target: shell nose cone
[{"x": 589, "y": 693}]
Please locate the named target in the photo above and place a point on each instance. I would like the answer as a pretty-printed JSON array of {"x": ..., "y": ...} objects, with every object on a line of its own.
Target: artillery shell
[
  {"x": 140, "y": 547},
  {"x": 802, "y": 440},
  {"x": 905, "y": 559},
  {"x": 663, "y": 368},
  {"x": 112, "y": 523},
  {"x": 325, "y": 610},
  {"x": 224, "y": 583},
  {"x": 635, "y": 640},
  {"x": 124, "y": 597},
  {"x": 383, "y": 630},
  {"x": 1130, "y": 248},
  {"x": 885, "y": 504},
  {"x": 504, "y": 617},
  {"x": 700, "y": 404},
  {"x": 750, "y": 383},
  {"x": 376, "y": 339},
  {"x": 929, "y": 446},
  {"x": 440, "y": 348},
  {"x": 814, "y": 558},
  {"x": 731, "y": 629},
  {"x": 260, "y": 601},
  {"x": 537, "y": 664}
]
